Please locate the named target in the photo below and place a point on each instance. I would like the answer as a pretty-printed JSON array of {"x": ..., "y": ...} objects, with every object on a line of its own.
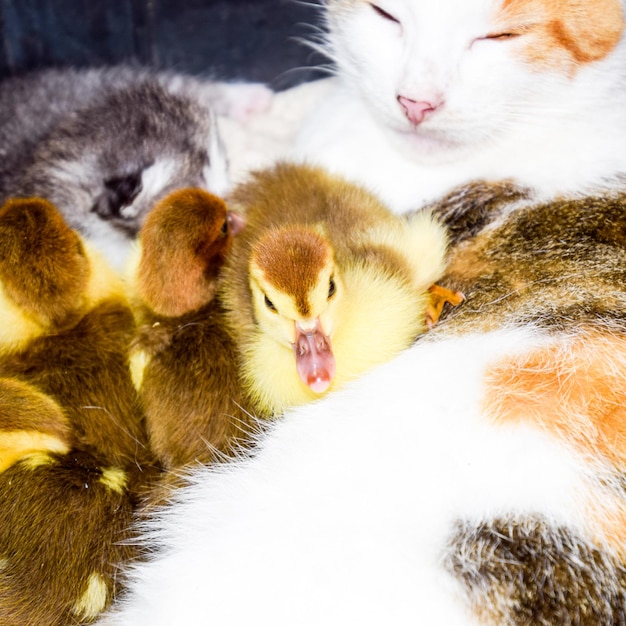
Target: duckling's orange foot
[{"x": 438, "y": 296}]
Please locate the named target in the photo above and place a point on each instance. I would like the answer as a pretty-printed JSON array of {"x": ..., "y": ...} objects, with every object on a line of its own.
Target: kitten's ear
[{"x": 118, "y": 192}]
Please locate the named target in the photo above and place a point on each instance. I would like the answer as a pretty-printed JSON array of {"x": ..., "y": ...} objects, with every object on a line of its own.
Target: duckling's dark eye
[
  {"x": 331, "y": 288},
  {"x": 270, "y": 305},
  {"x": 225, "y": 227}
]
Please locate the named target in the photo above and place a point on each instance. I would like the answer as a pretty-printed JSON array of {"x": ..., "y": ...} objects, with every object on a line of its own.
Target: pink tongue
[{"x": 314, "y": 360}]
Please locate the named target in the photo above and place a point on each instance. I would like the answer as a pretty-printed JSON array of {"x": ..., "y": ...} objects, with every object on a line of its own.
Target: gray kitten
[{"x": 105, "y": 144}]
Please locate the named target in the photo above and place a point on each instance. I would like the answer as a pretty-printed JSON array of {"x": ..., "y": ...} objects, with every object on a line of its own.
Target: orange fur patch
[
  {"x": 563, "y": 34},
  {"x": 574, "y": 389}
]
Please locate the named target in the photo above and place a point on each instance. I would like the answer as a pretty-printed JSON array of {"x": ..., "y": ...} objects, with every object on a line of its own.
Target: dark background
[{"x": 225, "y": 39}]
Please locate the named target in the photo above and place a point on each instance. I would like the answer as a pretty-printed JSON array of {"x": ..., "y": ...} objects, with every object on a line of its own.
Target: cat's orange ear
[
  {"x": 565, "y": 34},
  {"x": 588, "y": 29}
]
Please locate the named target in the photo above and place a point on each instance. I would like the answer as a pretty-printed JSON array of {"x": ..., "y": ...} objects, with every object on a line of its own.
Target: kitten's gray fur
[{"x": 104, "y": 144}]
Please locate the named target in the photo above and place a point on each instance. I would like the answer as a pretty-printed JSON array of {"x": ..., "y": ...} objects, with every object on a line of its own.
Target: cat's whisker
[
  {"x": 319, "y": 45},
  {"x": 323, "y": 70},
  {"x": 317, "y": 42},
  {"x": 316, "y": 31}
]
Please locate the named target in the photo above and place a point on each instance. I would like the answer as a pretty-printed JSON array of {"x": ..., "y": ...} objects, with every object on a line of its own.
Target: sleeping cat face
[{"x": 446, "y": 75}]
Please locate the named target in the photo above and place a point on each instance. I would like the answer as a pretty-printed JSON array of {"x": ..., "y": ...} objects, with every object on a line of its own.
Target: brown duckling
[
  {"x": 71, "y": 431},
  {"x": 184, "y": 361}
]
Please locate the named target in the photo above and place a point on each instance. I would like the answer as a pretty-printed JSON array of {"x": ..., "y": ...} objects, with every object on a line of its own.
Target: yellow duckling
[{"x": 324, "y": 283}]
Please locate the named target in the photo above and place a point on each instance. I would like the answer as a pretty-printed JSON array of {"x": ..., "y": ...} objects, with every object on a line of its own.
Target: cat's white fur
[
  {"x": 556, "y": 129},
  {"x": 343, "y": 514}
]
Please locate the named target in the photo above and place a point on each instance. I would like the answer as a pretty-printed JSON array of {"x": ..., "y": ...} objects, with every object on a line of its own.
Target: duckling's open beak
[{"x": 315, "y": 361}]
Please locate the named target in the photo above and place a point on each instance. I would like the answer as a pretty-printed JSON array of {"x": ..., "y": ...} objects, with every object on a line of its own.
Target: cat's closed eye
[
  {"x": 500, "y": 36},
  {"x": 384, "y": 14}
]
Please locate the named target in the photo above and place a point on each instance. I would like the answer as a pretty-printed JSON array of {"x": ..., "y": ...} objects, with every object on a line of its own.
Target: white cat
[{"x": 433, "y": 94}]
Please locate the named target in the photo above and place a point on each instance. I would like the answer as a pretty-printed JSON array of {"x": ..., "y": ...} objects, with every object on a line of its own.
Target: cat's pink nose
[{"x": 416, "y": 110}]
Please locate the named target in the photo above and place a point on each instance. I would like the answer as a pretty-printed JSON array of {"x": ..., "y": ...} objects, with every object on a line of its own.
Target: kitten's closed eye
[
  {"x": 118, "y": 192},
  {"x": 384, "y": 14}
]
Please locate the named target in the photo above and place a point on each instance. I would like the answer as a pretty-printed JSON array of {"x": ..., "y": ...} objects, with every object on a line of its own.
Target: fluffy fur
[
  {"x": 477, "y": 479},
  {"x": 73, "y": 446},
  {"x": 105, "y": 144},
  {"x": 531, "y": 90}
]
